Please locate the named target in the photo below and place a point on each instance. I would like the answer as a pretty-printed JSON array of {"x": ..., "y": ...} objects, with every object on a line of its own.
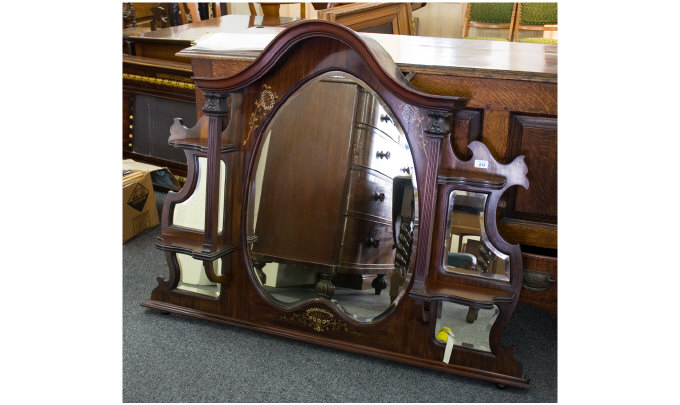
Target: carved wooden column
[
  {"x": 216, "y": 109},
  {"x": 438, "y": 125}
]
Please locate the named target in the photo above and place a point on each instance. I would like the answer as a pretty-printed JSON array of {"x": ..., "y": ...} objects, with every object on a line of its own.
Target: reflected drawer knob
[
  {"x": 386, "y": 118},
  {"x": 381, "y": 155},
  {"x": 379, "y": 196},
  {"x": 406, "y": 170},
  {"x": 371, "y": 242}
]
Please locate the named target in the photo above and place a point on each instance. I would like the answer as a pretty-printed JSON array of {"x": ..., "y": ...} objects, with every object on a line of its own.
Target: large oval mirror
[{"x": 331, "y": 205}]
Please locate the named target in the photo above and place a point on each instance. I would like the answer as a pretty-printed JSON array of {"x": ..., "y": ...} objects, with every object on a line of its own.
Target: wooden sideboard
[
  {"x": 512, "y": 109},
  {"x": 157, "y": 84}
]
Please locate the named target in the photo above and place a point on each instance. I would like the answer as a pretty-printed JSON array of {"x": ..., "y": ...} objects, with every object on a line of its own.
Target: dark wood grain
[{"x": 535, "y": 138}]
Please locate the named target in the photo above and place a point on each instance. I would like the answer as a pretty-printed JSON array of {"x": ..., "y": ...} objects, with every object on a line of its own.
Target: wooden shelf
[
  {"x": 191, "y": 243},
  {"x": 199, "y": 145},
  {"x": 468, "y": 178},
  {"x": 478, "y": 297},
  {"x": 196, "y": 138}
]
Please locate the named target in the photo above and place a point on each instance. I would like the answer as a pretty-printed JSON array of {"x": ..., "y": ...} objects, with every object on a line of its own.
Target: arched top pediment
[{"x": 335, "y": 47}]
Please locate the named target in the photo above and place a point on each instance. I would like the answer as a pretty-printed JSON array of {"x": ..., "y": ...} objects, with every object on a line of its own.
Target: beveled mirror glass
[
  {"x": 468, "y": 248},
  {"x": 467, "y": 326},
  {"x": 332, "y": 186}
]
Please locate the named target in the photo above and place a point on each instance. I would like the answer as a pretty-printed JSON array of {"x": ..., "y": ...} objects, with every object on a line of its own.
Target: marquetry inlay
[{"x": 320, "y": 320}]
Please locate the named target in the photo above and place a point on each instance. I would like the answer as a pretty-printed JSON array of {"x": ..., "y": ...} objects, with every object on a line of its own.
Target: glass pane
[
  {"x": 468, "y": 248},
  {"x": 191, "y": 212},
  {"x": 192, "y": 276},
  {"x": 469, "y": 326}
]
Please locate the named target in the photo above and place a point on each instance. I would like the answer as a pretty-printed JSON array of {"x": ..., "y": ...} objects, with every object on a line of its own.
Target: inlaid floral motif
[
  {"x": 409, "y": 113},
  {"x": 267, "y": 99},
  {"x": 411, "y": 116},
  {"x": 320, "y": 320},
  {"x": 263, "y": 104}
]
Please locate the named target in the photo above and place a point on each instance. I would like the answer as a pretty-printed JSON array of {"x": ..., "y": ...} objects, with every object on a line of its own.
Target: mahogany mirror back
[{"x": 324, "y": 203}]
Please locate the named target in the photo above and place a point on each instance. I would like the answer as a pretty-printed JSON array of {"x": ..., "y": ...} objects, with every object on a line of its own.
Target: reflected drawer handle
[
  {"x": 386, "y": 118},
  {"x": 370, "y": 242},
  {"x": 379, "y": 196},
  {"x": 382, "y": 154},
  {"x": 535, "y": 280}
]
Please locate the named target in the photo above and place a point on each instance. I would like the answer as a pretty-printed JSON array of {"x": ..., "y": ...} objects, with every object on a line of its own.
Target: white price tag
[
  {"x": 482, "y": 164},
  {"x": 449, "y": 347}
]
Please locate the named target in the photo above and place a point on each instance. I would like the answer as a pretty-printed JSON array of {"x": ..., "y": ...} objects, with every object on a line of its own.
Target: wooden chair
[
  {"x": 161, "y": 19},
  {"x": 273, "y": 9},
  {"x": 386, "y": 18},
  {"x": 189, "y": 12},
  {"x": 490, "y": 15},
  {"x": 536, "y": 17}
]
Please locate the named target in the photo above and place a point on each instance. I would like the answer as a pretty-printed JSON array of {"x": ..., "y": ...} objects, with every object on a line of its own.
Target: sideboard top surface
[{"x": 411, "y": 53}]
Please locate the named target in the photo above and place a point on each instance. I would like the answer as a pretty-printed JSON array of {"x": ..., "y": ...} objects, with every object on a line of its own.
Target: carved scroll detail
[
  {"x": 483, "y": 162},
  {"x": 263, "y": 105},
  {"x": 320, "y": 320}
]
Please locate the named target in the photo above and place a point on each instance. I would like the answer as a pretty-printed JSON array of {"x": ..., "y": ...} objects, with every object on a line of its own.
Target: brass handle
[
  {"x": 379, "y": 196},
  {"x": 371, "y": 242},
  {"x": 386, "y": 118},
  {"x": 535, "y": 280},
  {"x": 381, "y": 155}
]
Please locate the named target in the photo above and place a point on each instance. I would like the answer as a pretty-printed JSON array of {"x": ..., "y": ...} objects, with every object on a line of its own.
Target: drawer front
[
  {"x": 375, "y": 150},
  {"x": 367, "y": 246},
  {"x": 539, "y": 284},
  {"x": 370, "y": 194},
  {"x": 384, "y": 122},
  {"x": 371, "y": 112}
]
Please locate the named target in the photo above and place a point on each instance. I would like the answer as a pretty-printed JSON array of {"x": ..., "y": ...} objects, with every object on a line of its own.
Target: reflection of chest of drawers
[{"x": 334, "y": 214}]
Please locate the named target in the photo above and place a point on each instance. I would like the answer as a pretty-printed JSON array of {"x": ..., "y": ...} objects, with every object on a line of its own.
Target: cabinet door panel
[
  {"x": 530, "y": 216},
  {"x": 153, "y": 118}
]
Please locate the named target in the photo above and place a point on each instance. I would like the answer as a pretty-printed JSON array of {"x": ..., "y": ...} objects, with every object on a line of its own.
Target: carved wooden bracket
[
  {"x": 438, "y": 124},
  {"x": 215, "y": 103},
  {"x": 210, "y": 273}
]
